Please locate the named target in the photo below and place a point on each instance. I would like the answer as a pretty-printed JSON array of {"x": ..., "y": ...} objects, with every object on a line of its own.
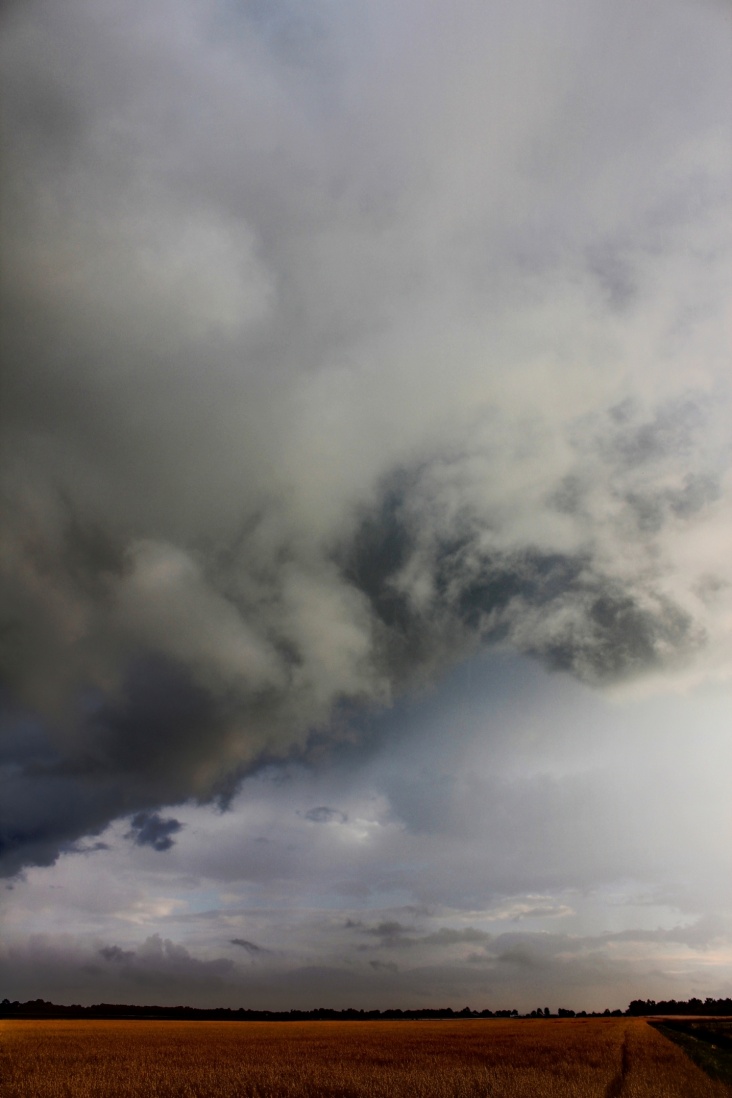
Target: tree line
[
  {"x": 40, "y": 1008},
  {"x": 709, "y": 1006}
]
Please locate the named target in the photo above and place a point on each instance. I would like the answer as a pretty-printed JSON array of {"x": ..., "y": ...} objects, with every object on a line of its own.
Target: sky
[{"x": 365, "y": 571}]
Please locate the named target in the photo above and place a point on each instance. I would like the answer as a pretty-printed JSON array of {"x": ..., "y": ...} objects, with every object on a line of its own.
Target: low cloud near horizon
[{"x": 346, "y": 347}]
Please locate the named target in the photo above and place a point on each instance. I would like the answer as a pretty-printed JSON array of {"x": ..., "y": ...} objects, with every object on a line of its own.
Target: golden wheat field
[{"x": 567, "y": 1058}]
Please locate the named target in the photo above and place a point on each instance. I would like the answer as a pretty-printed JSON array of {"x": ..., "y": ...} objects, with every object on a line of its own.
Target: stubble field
[{"x": 567, "y": 1058}]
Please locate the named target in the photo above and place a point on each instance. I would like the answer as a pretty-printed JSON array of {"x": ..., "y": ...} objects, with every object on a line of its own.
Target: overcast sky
[{"x": 366, "y": 540}]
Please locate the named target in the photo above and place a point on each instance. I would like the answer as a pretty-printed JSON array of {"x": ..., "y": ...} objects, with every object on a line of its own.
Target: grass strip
[{"x": 715, "y": 1061}]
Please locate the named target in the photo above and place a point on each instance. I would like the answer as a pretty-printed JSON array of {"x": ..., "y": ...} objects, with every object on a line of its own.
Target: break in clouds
[{"x": 341, "y": 341}]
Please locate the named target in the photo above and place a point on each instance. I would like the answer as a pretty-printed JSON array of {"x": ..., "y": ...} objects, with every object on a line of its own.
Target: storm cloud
[
  {"x": 251, "y": 948},
  {"x": 150, "y": 829},
  {"x": 339, "y": 345}
]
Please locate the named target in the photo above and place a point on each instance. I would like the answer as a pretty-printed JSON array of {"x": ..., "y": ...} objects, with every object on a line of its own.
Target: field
[{"x": 543, "y": 1058}]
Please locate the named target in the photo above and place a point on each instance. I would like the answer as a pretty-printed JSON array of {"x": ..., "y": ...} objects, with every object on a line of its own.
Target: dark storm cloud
[
  {"x": 319, "y": 379},
  {"x": 150, "y": 829},
  {"x": 251, "y": 948},
  {"x": 588, "y": 623},
  {"x": 140, "y": 745},
  {"x": 44, "y": 810}
]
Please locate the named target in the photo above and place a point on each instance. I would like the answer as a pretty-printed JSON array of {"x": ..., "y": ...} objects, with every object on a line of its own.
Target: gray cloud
[
  {"x": 384, "y": 966},
  {"x": 324, "y": 814},
  {"x": 510, "y": 970},
  {"x": 391, "y": 933},
  {"x": 116, "y": 955},
  {"x": 161, "y": 962},
  {"x": 150, "y": 829},
  {"x": 318, "y": 381},
  {"x": 159, "y": 970}
]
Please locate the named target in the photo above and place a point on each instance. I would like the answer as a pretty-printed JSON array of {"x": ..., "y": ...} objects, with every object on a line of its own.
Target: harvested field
[{"x": 556, "y": 1058}]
